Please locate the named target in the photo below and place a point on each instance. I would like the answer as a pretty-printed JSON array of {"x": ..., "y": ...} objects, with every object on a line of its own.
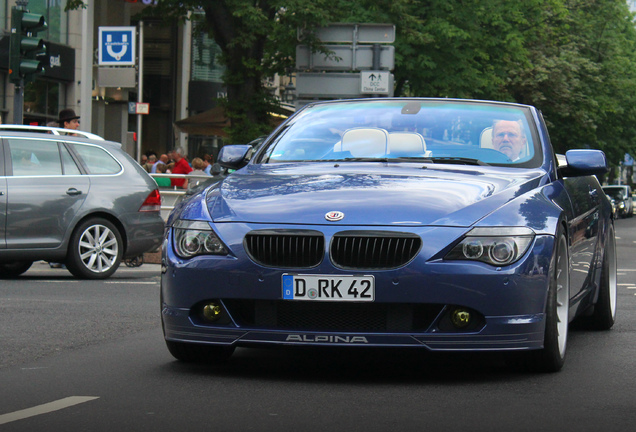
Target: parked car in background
[
  {"x": 435, "y": 224},
  {"x": 622, "y": 195},
  {"x": 78, "y": 201}
]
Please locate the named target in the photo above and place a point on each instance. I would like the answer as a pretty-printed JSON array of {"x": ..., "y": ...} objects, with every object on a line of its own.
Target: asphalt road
[{"x": 89, "y": 356}]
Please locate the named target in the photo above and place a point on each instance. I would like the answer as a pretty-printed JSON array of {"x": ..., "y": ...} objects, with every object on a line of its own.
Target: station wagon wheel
[
  {"x": 13, "y": 269},
  {"x": 552, "y": 357},
  {"x": 199, "y": 353},
  {"x": 95, "y": 249},
  {"x": 604, "y": 313}
]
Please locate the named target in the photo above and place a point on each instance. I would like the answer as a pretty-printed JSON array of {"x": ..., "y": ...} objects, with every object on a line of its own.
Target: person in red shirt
[{"x": 181, "y": 166}]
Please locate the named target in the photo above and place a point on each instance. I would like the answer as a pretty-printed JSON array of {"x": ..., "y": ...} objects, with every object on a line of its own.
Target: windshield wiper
[
  {"x": 365, "y": 159},
  {"x": 458, "y": 161},
  {"x": 446, "y": 160}
]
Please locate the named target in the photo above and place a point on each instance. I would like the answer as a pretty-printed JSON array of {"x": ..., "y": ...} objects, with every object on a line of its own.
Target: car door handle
[{"x": 73, "y": 191}]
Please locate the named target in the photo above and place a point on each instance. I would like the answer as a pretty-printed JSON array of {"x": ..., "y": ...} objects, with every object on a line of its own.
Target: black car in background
[{"x": 622, "y": 196}]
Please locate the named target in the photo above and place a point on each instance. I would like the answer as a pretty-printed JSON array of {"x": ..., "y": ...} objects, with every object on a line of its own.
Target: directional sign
[
  {"x": 334, "y": 85},
  {"x": 344, "y": 57},
  {"x": 117, "y": 46},
  {"x": 374, "y": 82},
  {"x": 349, "y": 33}
]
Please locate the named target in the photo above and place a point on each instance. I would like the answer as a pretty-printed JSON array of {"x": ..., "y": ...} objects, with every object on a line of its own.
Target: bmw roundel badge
[{"x": 334, "y": 216}]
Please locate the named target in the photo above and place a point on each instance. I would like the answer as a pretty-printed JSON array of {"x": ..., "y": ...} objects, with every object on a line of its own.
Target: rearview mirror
[
  {"x": 583, "y": 163},
  {"x": 234, "y": 156}
]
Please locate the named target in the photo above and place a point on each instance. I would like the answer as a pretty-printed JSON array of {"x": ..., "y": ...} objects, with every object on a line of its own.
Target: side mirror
[
  {"x": 234, "y": 156},
  {"x": 581, "y": 163}
]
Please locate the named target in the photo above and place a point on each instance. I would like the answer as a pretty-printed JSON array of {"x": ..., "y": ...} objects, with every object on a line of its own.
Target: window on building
[
  {"x": 205, "y": 57},
  {"x": 56, "y": 18},
  {"x": 41, "y": 101}
]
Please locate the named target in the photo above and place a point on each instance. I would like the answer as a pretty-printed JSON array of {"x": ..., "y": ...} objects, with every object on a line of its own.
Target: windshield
[{"x": 408, "y": 130}]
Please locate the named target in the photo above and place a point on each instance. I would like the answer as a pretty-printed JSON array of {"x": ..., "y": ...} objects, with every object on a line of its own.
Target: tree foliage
[{"x": 573, "y": 59}]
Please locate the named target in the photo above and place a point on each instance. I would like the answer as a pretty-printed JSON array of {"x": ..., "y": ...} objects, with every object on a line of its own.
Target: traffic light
[{"x": 25, "y": 46}]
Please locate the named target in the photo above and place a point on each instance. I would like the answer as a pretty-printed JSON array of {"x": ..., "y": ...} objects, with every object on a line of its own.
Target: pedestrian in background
[
  {"x": 68, "y": 120},
  {"x": 181, "y": 166},
  {"x": 162, "y": 181},
  {"x": 163, "y": 159},
  {"x": 198, "y": 166},
  {"x": 152, "y": 159}
]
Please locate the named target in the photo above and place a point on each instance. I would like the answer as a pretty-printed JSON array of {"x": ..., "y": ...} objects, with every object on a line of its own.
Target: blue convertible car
[{"x": 440, "y": 224}]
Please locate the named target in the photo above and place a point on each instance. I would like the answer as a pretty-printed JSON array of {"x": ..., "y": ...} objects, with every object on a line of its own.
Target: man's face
[
  {"x": 73, "y": 124},
  {"x": 508, "y": 139}
]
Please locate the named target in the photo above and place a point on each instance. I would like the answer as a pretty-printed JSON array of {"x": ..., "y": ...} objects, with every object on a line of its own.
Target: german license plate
[{"x": 329, "y": 288}]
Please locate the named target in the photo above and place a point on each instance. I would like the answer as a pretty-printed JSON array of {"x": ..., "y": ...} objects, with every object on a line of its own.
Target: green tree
[
  {"x": 257, "y": 39},
  {"x": 573, "y": 59}
]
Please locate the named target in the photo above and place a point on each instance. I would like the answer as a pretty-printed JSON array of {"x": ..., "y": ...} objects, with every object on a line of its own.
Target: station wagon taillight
[{"x": 152, "y": 203}]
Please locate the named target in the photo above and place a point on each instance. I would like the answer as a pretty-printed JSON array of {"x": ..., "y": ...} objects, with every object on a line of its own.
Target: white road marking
[
  {"x": 57, "y": 281},
  {"x": 130, "y": 283},
  {"x": 108, "y": 282},
  {"x": 45, "y": 408}
]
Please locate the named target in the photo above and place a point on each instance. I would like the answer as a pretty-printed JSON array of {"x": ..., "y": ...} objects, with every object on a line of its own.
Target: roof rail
[{"x": 49, "y": 130}]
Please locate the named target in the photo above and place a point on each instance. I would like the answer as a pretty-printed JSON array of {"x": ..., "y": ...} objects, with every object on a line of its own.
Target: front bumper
[
  {"x": 412, "y": 303},
  {"x": 500, "y": 333}
]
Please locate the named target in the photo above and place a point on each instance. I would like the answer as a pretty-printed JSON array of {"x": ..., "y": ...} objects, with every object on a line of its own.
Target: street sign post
[{"x": 351, "y": 69}]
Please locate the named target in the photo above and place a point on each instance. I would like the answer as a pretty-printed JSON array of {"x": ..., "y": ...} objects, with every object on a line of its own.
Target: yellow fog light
[
  {"x": 460, "y": 317},
  {"x": 212, "y": 311}
]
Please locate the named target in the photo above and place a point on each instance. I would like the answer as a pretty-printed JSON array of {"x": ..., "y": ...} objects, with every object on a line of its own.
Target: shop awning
[{"x": 213, "y": 121}]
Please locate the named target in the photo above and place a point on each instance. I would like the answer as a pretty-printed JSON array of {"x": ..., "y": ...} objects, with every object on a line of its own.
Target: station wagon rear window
[{"x": 97, "y": 160}]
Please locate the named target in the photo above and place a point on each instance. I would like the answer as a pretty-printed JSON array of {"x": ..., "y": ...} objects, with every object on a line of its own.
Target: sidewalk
[{"x": 152, "y": 257}]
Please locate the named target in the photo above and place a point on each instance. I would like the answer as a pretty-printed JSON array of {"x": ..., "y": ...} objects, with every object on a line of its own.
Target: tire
[
  {"x": 95, "y": 249},
  {"x": 552, "y": 357},
  {"x": 14, "y": 269},
  {"x": 604, "y": 314},
  {"x": 199, "y": 353}
]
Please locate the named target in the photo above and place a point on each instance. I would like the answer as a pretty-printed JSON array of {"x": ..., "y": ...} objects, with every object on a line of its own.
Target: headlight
[
  {"x": 192, "y": 238},
  {"x": 496, "y": 246},
  {"x": 622, "y": 204}
]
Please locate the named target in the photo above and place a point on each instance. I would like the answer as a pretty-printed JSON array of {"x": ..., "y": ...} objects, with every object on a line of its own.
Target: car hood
[{"x": 370, "y": 194}]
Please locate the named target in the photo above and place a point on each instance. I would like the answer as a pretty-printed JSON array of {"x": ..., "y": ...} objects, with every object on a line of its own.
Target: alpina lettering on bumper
[{"x": 329, "y": 339}]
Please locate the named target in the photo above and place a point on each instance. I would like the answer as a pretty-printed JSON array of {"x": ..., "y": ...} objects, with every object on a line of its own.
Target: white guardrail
[{"x": 170, "y": 195}]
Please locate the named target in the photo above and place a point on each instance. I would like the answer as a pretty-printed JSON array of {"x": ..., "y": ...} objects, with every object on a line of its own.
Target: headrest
[{"x": 361, "y": 142}]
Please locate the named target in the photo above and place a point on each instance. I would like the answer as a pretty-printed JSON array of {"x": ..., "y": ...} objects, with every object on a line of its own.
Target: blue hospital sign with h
[{"x": 117, "y": 46}]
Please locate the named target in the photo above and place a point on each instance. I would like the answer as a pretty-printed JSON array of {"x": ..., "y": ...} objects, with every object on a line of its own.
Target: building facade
[{"x": 180, "y": 76}]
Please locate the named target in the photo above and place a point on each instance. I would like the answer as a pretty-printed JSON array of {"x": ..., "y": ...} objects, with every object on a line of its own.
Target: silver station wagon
[{"x": 77, "y": 200}]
